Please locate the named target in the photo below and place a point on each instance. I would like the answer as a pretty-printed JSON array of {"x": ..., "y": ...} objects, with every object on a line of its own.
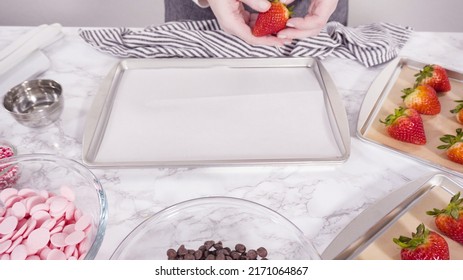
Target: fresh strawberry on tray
[
  {"x": 431, "y": 97},
  {"x": 422, "y": 220}
]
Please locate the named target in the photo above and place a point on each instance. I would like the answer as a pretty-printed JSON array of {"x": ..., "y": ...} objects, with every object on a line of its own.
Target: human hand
[
  {"x": 317, "y": 16},
  {"x": 235, "y": 20}
]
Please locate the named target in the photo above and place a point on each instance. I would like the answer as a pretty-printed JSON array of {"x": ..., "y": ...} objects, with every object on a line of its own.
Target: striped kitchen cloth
[{"x": 371, "y": 44}]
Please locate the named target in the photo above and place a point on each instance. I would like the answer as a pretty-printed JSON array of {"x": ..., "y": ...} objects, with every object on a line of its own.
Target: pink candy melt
[
  {"x": 83, "y": 222},
  {"x": 38, "y": 225},
  {"x": 67, "y": 193},
  {"x": 19, "y": 253},
  {"x": 8, "y": 225},
  {"x": 75, "y": 238},
  {"x": 56, "y": 254},
  {"x": 38, "y": 239}
]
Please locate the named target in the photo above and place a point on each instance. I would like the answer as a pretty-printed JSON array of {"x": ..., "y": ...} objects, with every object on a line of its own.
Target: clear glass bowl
[
  {"x": 229, "y": 220},
  {"x": 51, "y": 173}
]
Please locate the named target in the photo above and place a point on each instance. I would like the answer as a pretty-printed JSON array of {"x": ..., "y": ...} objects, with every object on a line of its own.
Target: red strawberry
[
  {"x": 453, "y": 145},
  {"x": 423, "y": 245},
  {"x": 435, "y": 76},
  {"x": 458, "y": 111},
  {"x": 450, "y": 219},
  {"x": 406, "y": 125},
  {"x": 271, "y": 21},
  {"x": 422, "y": 98}
]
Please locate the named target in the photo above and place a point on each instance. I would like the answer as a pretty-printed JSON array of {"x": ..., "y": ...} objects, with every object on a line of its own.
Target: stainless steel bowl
[{"x": 35, "y": 103}]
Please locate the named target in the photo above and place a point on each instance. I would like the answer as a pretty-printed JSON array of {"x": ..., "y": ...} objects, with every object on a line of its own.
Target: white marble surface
[{"x": 321, "y": 201}]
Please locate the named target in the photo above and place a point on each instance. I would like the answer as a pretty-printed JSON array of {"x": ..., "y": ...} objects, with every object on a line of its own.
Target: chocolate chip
[
  {"x": 171, "y": 254},
  {"x": 189, "y": 257},
  {"x": 182, "y": 251},
  {"x": 218, "y": 245},
  {"x": 262, "y": 252},
  {"x": 209, "y": 244},
  {"x": 240, "y": 248},
  {"x": 252, "y": 255},
  {"x": 220, "y": 256},
  {"x": 198, "y": 254},
  {"x": 212, "y": 250},
  {"x": 235, "y": 255}
]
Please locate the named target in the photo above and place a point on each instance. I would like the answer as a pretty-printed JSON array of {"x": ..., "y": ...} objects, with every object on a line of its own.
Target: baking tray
[
  {"x": 187, "y": 112},
  {"x": 384, "y": 95},
  {"x": 369, "y": 236}
]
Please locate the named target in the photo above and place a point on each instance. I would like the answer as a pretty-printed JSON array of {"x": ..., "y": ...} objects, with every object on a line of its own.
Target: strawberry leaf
[
  {"x": 453, "y": 208},
  {"x": 451, "y": 139},
  {"x": 458, "y": 108},
  {"x": 418, "y": 238},
  {"x": 407, "y": 92},
  {"x": 426, "y": 72}
]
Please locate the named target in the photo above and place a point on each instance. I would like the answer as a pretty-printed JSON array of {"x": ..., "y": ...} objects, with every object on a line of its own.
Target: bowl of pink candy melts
[{"x": 54, "y": 209}]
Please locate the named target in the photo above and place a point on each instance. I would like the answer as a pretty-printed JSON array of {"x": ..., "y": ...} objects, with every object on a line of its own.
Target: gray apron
[{"x": 180, "y": 10}]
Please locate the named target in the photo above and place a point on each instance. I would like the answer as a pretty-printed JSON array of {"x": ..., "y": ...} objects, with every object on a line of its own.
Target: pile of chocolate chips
[{"x": 212, "y": 250}]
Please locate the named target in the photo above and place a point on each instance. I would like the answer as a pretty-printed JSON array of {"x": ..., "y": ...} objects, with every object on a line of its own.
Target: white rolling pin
[{"x": 32, "y": 41}]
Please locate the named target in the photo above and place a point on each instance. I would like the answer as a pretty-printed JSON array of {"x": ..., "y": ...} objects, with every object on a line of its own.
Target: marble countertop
[{"x": 320, "y": 200}]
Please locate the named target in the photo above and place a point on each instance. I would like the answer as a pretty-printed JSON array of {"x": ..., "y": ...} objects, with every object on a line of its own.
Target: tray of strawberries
[
  {"x": 416, "y": 109},
  {"x": 421, "y": 221}
]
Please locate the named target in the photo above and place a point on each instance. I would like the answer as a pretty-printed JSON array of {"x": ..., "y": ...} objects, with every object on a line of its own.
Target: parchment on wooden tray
[
  {"x": 435, "y": 126},
  {"x": 383, "y": 248}
]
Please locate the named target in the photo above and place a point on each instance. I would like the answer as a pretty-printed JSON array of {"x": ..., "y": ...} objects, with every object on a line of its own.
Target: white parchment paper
[{"x": 218, "y": 113}]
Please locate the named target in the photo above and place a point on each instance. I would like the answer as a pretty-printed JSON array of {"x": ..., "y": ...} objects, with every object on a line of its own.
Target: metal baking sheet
[
  {"x": 187, "y": 112},
  {"x": 384, "y": 95},
  {"x": 369, "y": 236}
]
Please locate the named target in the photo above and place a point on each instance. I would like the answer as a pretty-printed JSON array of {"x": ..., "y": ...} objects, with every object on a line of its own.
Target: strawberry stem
[
  {"x": 418, "y": 238},
  {"x": 453, "y": 208},
  {"x": 458, "y": 108},
  {"x": 407, "y": 92},
  {"x": 426, "y": 72},
  {"x": 398, "y": 112},
  {"x": 450, "y": 140}
]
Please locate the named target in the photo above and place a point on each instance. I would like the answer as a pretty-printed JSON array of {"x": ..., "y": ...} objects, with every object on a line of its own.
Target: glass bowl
[
  {"x": 41, "y": 182},
  {"x": 228, "y": 220}
]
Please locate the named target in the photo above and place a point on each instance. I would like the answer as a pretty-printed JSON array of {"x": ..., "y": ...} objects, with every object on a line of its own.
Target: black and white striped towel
[{"x": 370, "y": 44}]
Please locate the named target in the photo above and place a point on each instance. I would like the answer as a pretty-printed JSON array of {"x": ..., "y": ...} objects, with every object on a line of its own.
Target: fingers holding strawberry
[
  {"x": 450, "y": 219},
  {"x": 423, "y": 245},
  {"x": 405, "y": 125},
  {"x": 235, "y": 20},
  {"x": 273, "y": 20},
  {"x": 312, "y": 23}
]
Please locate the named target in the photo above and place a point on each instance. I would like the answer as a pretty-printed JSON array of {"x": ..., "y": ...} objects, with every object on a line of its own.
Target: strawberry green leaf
[
  {"x": 426, "y": 72},
  {"x": 453, "y": 208},
  {"x": 458, "y": 108}
]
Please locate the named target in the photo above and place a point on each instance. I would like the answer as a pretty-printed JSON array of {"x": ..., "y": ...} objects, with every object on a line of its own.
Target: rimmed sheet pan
[
  {"x": 369, "y": 236},
  {"x": 384, "y": 95},
  {"x": 190, "y": 112}
]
